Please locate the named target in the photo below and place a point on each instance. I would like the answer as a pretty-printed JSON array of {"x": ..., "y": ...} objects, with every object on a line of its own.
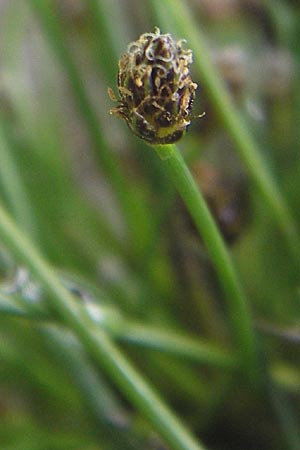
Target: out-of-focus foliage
[{"x": 95, "y": 200}]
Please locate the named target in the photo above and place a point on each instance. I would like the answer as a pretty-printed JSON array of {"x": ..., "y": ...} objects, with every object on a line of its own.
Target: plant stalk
[{"x": 240, "y": 317}]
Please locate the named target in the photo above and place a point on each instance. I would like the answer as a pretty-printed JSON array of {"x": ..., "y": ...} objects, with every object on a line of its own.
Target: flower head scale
[{"x": 155, "y": 88}]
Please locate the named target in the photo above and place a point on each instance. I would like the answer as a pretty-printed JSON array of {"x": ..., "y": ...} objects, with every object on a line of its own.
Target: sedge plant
[
  {"x": 157, "y": 96},
  {"x": 156, "y": 101}
]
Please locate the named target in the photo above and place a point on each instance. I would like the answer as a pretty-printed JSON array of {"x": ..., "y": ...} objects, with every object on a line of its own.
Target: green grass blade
[
  {"x": 135, "y": 333},
  {"x": 97, "y": 342},
  {"x": 176, "y": 344},
  {"x": 133, "y": 206},
  {"x": 13, "y": 186},
  {"x": 108, "y": 30}
]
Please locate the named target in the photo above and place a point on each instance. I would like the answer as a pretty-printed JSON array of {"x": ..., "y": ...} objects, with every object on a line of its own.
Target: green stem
[
  {"x": 97, "y": 342},
  {"x": 239, "y": 313},
  {"x": 177, "y": 13}
]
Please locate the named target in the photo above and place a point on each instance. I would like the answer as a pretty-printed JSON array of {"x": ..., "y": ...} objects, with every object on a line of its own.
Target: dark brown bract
[{"x": 155, "y": 88}]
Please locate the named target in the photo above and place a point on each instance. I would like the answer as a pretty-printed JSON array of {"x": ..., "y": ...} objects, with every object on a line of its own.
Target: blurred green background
[{"x": 96, "y": 202}]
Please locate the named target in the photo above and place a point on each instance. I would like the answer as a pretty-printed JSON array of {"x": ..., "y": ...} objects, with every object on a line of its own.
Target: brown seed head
[{"x": 155, "y": 88}]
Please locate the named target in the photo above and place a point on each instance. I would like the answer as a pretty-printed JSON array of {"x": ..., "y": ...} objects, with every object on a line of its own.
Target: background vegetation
[{"x": 115, "y": 330}]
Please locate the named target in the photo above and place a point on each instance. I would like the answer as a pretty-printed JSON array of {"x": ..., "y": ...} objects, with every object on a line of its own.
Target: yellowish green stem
[{"x": 238, "y": 310}]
